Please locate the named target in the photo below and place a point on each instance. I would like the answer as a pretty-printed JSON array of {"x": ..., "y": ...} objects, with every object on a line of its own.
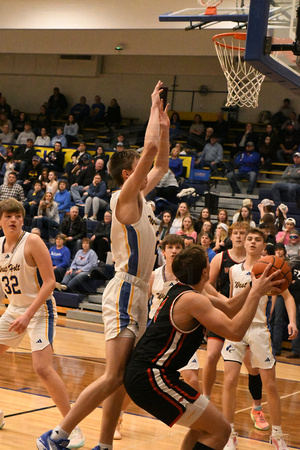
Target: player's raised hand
[
  {"x": 155, "y": 94},
  {"x": 164, "y": 120}
]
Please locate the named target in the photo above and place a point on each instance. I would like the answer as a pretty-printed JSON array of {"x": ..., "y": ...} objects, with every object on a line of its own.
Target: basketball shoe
[
  {"x": 76, "y": 438},
  {"x": 1, "y": 419},
  {"x": 259, "y": 420},
  {"x": 45, "y": 442},
  {"x": 278, "y": 441},
  {"x": 232, "y": 442}
]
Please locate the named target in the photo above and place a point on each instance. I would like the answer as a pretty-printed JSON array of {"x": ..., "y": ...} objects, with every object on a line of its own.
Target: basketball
[{"x": 277, "y": 264}]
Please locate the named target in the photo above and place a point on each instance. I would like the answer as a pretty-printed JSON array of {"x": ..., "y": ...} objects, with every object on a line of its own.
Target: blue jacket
[
  {"x": 248, "y": 162},
  {"x": 63, "y": 198},
  {"x": 176, "y": 166}
]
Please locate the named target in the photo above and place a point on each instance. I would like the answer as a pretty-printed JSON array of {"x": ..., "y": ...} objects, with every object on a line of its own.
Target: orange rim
[{"x": 237, "y": 36}]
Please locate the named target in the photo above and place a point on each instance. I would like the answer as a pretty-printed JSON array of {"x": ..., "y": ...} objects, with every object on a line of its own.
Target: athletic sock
[
  {"x": 58, "y": 433},
  {"x": 232, "y": 428},
  {"x": 257, "y": 408},
  {"x": 200, "y": 446},
  {"x": 105, "y": 446},
  {"x": 276, "y": 429}
]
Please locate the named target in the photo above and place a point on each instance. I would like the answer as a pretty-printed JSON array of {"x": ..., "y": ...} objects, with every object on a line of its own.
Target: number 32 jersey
[{"x": 19, "y": 281}]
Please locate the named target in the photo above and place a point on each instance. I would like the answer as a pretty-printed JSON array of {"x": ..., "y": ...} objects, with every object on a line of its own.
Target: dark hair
[
  {"x": 280, "y": 246},
  {"x": 37, "y": 182},
  {"x": 256, "y": 231},
  {"x": 120, "y": 161},
  {"x": 172, "y": 239},
  {"x": 241, "y": 218},
  {"x": 189, "y": 264},
  {"x": 161, "y": 225},
  {"x": 200, "y": 218}
]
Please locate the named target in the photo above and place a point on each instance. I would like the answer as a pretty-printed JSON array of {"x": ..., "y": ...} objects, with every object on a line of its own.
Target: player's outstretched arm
[
  {"x": 291, "y": 310},
  {"x": 36, "y": 254},
  {"x": 161, "y": 164}
]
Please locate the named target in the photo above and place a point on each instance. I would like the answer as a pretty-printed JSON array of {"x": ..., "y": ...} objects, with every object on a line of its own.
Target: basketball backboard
[{"x": 273, "y": 23}]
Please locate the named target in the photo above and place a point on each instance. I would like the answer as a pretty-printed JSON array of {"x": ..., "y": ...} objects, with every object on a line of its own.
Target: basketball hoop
[
  {"x": 243, "y": 81},
  {"x": 211, "y": 6}
]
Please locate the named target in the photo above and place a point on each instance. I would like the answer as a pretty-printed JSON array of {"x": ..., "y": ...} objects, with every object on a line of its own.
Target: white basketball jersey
[
  {"x": 134, "y": 246},
  {"x": 241, "y": 278},
  {"x": 159, "y": 289},
  {"x": 19, "y": 281}
]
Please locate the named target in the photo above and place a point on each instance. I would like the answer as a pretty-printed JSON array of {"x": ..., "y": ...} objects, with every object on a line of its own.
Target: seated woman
[
  {"x": 182, "y": 212},
  {"x": 47, "y": 219},
  {"x": 175, "y": 127},
  {"x": 245, "y": 215},
  {"x": 60, "y": 256},
  {"x": 196, "y": 130},
  {"x": 52, "y": 184},
  {"x": 187, "y": 228},
  {"x": 77, "y": 276},
  {"x": 96, "y": 198},
  {"x": 175, "y": 163},
  {"x": 100, "y": 154},
  {"x": 70, "y": 130},
  {"x": 63, "y": 198}
]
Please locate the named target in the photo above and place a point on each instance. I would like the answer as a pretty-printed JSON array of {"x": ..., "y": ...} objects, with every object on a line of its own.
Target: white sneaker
[
  {"x": 76, "y": 438},
  {"x": 232, "y": 442},
  {"x": 278, "y": 441},
  {"x": 117, "y": 433},
  {"x": 93, "y": 218},
  {"x": 1, "y": 419}
]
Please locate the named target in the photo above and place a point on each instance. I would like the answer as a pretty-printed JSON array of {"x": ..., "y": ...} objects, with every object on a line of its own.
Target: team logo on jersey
[
  {"x": 7, "y": 256},
  {"x": 267, "y": 360},
  {"x": 39, "y": 341},
  {"x": 230, "y": 348},
  {"x": 10, "y": 268},
  {"x": 239, "y": 285}
]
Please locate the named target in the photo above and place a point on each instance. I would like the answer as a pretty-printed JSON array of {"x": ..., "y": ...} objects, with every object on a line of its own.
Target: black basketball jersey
[
  {"x": 163, "y": 345},
  {"x": 223, "y": 284}
]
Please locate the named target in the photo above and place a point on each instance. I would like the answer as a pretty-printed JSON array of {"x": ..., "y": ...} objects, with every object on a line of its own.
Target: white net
[
  {"x": 243, "y": 81},
  {"x": 210, "y": 2}
]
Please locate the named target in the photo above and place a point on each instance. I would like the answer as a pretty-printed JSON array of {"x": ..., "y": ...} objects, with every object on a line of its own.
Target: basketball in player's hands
[{"x": 277, "y": 264}]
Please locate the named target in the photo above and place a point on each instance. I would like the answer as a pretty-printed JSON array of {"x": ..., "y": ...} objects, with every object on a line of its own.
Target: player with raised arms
[{"x": 134, "y": 238}]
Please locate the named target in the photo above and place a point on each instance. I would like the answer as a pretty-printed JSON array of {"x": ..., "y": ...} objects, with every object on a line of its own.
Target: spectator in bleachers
[
  {"x": 4, "y": 107},
  {"x": 292, "y": 118},
  {"x": 270, "y": 132},
  {"x": 101, "y": 237},
  {"x": 51, "y": 183},
  {"x": 267, "y": 153},
  {"x": 290, "y": 185},
  {"x": 207, "y": 227},
  {"x": 43, "y": 120},
  {"x": 246, "y": 202},
  {"x": 19, "y": 123},
  {"x": 25, "y": 135},
  {"x": 168, "y": 187},
  {"x": 288, "y": 142},
  {"x": 283, "y": 113},
  {"x": 221, "y": 127},
  {"x": 47, "y": 218},
  {"x": 203, "y": 216},
  {"x": 60, "y": 256},
  {"x": 211, "y": 155},
  {"x": 245, "y": 215},
  {"x": 74, "y": 227},
  {"x": 205, "y": 239},
  {"x": 57, "y": 103},
  {"x": 63, "y": 198},
  {"x": 120, "y": 139},
  {"x": 4, "y": 121},
  {"x": 242, "y": 139},
  {"x": 7, "y": 136},
  {"x": 85, "y": 178},
  {"x": 81, "y": 111},
  {"x": 100, "y": 154},
  {"x": 266, "y": 206},
  {"x": 43, "y": 140},
  {"x": 97, "y": 110},
  {"x": 175, "y": 163},
  {"x": 71, "y": 130},
  {"x": 187, "y": 228},
  {"x": 59, "y": 137},
  {"x": 76, "y": 277},
  {"x": 113, "y": 115},
  {"x": 267, "y": 225},
  {"x": 33, "y": 199},
  {"x": 95, "y": 198},
  {"x": 220, "y": 237},
  {"x": 293, "y": 247},
  {"x": 23, "y": 155},
  {"x": 55, "y": 158},
  {"x": 8, "y": 166},
  {"x": 32, "y": 173},
  {"x": 182, "y": 212},
  {"x": 12, "y": 189},
  {"x": 165, "y": 225},
  {"x": 80, "y": 159},
  {"x": 44, "y": 177},
  {"x": 196, "y": 130},
  {"x": 205, "y": 138},
  {"x": 175, "y": 127},
  {"x": 248, "y": 167},
  {"x": 289, "y": 227},
  {"x": 281, "y": 215}
]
